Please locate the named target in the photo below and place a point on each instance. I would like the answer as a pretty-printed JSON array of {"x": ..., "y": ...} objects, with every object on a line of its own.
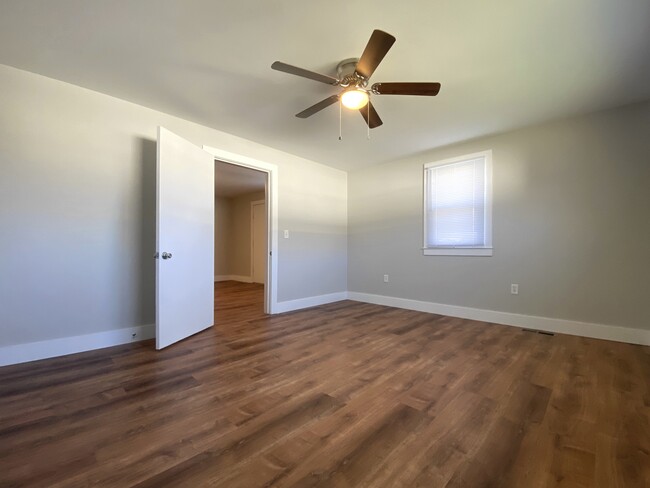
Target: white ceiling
[
  {"x": 502, "y": 63},
  {"x": 232, "y": 180}
]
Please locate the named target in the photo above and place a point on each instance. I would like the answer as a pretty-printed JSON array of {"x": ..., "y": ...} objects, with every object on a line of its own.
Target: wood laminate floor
[{"x": 341, "y": 395}]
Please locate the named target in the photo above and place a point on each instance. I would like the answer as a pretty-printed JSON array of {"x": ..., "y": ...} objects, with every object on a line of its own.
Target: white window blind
[{"x": 457, "y": 213}]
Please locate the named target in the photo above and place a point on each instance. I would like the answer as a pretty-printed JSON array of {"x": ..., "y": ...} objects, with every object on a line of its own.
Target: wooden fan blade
[
  {"x": 423, "y": 89},
  {"x": 378, "y": 45},
  {"x": 374, "y": 120},
  {"x": 294, "y": 70},
  {"x": 318, "y": 107}
]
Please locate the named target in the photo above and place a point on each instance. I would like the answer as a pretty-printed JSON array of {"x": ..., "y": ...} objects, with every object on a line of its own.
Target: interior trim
[{"x": 561, "y": 326}]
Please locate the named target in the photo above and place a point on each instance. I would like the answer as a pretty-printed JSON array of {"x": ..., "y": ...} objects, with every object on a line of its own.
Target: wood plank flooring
[{"x": 342, "y": 395}]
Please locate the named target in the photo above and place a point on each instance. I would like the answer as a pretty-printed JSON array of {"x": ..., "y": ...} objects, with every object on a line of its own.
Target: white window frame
[{"x": 485, "y": 250}]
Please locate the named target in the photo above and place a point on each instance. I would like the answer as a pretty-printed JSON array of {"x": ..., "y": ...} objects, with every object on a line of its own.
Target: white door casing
[
  {"x": 258, "y": 241},
  {"x": 271, "y": 285},
  {"x": 184, "y": 230}
]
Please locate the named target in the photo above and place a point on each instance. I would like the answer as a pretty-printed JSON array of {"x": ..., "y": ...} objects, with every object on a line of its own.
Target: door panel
[{"x": 184, "y": 230}]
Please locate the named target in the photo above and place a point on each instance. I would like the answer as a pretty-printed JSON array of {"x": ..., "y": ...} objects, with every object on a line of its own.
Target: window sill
[{"x": 457, "y": 251}]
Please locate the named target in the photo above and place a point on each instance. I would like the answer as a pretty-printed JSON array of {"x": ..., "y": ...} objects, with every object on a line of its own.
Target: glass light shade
[{"x": 354, "y": 99}]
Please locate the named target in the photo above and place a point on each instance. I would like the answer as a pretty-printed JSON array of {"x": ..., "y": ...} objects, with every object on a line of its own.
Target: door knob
[{"x": 166, "y": 255}]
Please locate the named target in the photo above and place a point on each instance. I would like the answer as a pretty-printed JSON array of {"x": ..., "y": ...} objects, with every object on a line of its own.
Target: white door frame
[
  {"x": 271, "y": 197},
  {"x": 253, "y": 203}
]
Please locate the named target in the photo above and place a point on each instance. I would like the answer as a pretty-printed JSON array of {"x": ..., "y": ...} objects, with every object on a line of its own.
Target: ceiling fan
[{"x": 353, "y": 75}]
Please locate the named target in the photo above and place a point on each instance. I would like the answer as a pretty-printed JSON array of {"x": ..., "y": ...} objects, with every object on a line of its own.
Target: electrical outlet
[
  {"x": 286, "y": 234},
  {"x": 385, "y": 278},
  {"x": 514, "y": 289}
]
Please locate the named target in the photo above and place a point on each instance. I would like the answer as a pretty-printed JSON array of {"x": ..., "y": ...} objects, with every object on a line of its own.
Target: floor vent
[{"x": 543, "y": 332}]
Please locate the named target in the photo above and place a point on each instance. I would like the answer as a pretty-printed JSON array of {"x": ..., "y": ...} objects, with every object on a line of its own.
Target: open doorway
[
  {"x": 272, "y": 197},
  {"x": 241, "y": 241}
]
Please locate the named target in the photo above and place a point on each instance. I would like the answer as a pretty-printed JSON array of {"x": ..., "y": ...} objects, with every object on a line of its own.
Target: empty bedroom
[{"x": 340, "y": 244}]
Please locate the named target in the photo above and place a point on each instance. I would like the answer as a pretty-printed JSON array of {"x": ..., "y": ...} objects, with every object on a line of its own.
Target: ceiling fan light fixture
[
  {"x": 353, "y": 76},
  {"x": 355, "y": 99}
]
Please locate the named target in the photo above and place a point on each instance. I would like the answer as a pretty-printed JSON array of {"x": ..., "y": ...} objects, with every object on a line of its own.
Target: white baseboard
[
  {"x": 243, "y": 279},
  {"x": 22, "y": 353},
  {"x": 289, "y": 305},
  {"x": 571, "y": 327}
]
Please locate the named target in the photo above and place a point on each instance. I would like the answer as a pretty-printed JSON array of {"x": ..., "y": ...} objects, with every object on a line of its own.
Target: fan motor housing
[{"x": 346, "y": 73}]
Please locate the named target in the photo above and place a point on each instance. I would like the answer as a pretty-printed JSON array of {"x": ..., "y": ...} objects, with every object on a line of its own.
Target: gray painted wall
[
  {"x": 77, "y": 210},
  {"x": 571, "y": 224}
]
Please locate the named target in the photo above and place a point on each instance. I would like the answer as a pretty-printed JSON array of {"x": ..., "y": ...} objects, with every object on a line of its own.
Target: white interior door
[
  {"x": 184, "y": 239},
  {"x": 258, "y": 239}
]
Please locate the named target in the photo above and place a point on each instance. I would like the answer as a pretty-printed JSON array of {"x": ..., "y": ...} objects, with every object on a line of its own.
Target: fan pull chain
[{"x": 340, "y": 117}]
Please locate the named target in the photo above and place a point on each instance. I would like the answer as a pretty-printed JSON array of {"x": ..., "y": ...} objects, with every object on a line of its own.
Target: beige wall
[
  {"x": 241, "y": 233},
  {"x": 233, "y": 235},
  {"x": 571, "y": 222},
  {"x": 222, "y": 226},
  {"x": 77, "y": 210}
]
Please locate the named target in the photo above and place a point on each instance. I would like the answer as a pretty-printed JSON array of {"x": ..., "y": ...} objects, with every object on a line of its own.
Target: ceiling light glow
[{"x": 354, "y": 99}]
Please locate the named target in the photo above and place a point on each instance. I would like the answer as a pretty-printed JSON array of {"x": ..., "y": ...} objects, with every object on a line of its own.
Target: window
[{"x": 458, "y": 206}]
